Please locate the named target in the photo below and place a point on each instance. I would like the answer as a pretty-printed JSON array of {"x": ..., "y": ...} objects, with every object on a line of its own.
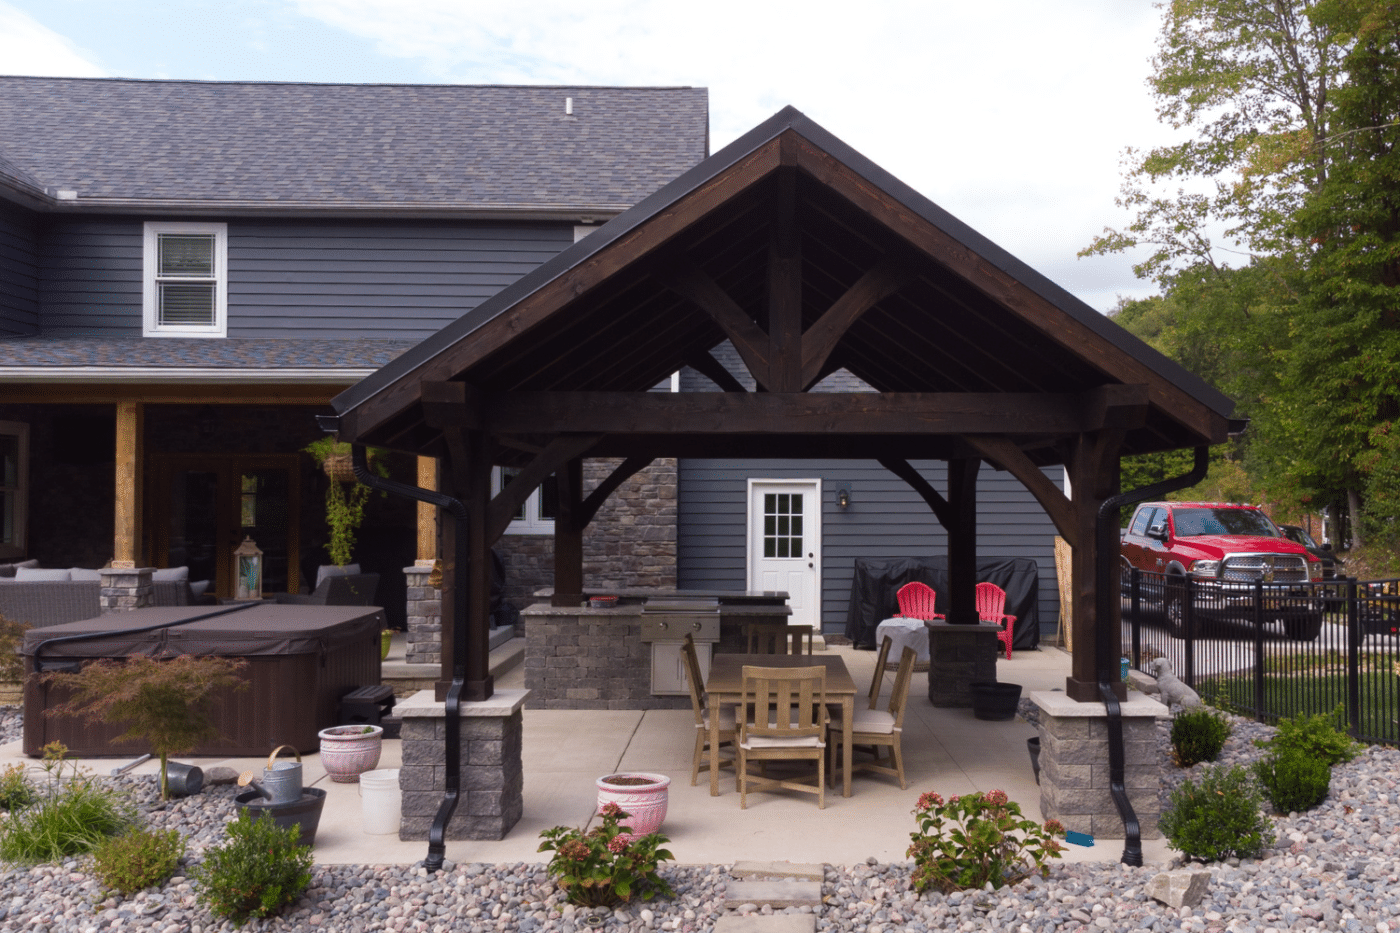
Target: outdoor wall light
[{"x": 843, "y": 497}]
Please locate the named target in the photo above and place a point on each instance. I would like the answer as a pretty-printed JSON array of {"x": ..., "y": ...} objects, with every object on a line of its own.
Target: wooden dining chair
[
  {"x": 991, "y": 607},
  {"x": 878, "y": 728},
  {"x": 775, "y": 638},
  {"x": 727, "y": 729},
  {"x": 916, "y": 601},
  {"x": 785, "y": 720},
  {"x": 881, "y": 659}
]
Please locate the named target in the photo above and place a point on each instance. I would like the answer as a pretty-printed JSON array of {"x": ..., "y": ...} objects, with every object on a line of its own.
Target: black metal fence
[{"x": 1272, "y": 652}]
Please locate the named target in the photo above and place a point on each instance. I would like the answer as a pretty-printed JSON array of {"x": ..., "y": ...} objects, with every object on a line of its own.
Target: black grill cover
[{"x": 876, "y": 582}]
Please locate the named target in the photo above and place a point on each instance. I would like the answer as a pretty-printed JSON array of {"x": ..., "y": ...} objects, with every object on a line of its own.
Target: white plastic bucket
[{"x": 380, "y": 802}]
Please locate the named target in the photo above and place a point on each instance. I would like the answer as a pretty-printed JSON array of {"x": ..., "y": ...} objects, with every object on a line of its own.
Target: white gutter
[{"x": 170, "y": 374}]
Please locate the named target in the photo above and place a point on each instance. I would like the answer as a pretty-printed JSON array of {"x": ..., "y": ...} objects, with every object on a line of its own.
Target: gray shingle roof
[
  {"x": 336, "y": 145},
  {"x": 187, "y": 353}
]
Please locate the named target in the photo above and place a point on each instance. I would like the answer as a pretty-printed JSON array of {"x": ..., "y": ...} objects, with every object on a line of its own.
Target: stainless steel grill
[{"x": 1273, "y": 568}]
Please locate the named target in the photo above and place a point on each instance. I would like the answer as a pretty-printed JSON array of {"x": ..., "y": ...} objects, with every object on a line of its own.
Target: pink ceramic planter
[
  {"x": 349, "y": 751},
  {"x": 645, "y": 802}
]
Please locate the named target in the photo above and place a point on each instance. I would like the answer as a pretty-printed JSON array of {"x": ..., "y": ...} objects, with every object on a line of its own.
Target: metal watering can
[{"x": 281, "y": 780}]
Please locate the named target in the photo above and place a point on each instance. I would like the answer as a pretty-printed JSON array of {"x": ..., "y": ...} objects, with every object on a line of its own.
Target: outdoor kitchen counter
[{"x": 593, "y": 658}]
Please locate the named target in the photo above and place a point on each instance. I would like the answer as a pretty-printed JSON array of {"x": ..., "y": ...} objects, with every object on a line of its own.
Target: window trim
[
  {"x": 532, "y": 523},
  {"x": 21, "y": 514},
  {"x": 149, "y": 269}
]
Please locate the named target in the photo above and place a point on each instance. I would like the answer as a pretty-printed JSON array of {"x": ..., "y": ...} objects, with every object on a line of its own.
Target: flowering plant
[
  {"x": 977, "y": 839},
  {"x": 606, "y": 865}
]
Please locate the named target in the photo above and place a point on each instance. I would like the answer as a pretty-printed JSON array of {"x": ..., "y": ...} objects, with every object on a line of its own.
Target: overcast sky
[{"x": 1012, "y": 114}]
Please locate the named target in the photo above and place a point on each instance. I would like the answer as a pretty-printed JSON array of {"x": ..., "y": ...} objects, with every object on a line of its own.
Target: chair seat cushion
[
  {"x": 874, "y": 721},
  {"x": 760, "y": 741}
]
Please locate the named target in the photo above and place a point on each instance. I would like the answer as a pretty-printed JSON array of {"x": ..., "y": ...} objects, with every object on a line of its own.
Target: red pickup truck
[{"x": 1225, "y": 548}]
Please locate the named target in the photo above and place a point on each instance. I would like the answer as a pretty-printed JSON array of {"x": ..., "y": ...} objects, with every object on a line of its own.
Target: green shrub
[
  {"x": 1218, "y": 818},
  {"x": 256, "y": 873},
  {"x": 606, "y": 865},
  {"x": 71, "y": 816},
  {"x": 1316, "y": 737},
  {"x": 1293, "y": 781},
  {"x": 976, "y": 840},
  {"x": 15, "y": 792},
  {"x": 1198, "y": 735},
  {"x": 138, "y": 859}
]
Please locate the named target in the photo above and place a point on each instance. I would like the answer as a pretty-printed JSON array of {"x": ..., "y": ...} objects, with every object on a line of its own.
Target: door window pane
[{"x": 782, "y": 525}]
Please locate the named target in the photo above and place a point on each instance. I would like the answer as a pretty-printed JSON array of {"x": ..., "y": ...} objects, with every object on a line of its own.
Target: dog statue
[{"x": 1170, "y": 687}]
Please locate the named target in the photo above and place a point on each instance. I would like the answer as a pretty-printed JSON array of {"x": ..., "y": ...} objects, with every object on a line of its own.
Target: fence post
[
  {"x": 1353, "y": 660},
  {"x": 1188, "y": 616},
  {"x": 1259, "y": 651},
  {"x": 1135, "y": 607}
]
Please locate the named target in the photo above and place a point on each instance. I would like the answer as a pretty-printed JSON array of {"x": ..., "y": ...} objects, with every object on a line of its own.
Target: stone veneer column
[
  {"x": 424, "y": 618},
  {"x": 492, "y": 777},
  {"x": 1074, "y": 775},
  {"x": 124, "y": 589},
  {"x": 957, "y": 656}
]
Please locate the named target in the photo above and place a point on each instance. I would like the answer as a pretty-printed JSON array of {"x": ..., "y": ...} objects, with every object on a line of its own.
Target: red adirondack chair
[
  {"x": 991, "y": 607},
  {"x": 916, "y": 601}
]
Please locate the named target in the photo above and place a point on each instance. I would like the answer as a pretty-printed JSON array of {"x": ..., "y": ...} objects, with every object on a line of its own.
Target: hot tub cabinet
[
  {"x": 301, "y": 661},
  {"x": 627, "y": 656}
]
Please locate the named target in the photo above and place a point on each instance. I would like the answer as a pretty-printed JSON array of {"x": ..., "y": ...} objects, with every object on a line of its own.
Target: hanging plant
[{"x": 345, "y": 508}]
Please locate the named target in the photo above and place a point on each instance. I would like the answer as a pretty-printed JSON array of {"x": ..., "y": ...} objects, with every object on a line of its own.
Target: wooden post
[
  {"x": 427, "y": 514},
  {"x": 785, "y": 290},
  {"x": 470, "y": 481},
  {"x": 126, "y": 549},
  {"x": 1093, "y": 471},
  {"x": 962, "y": 541},
  {"x": 568, "y": 535}
]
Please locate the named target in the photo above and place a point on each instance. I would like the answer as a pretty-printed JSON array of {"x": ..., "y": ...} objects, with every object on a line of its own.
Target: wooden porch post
[
  {"x": 568, "y": 535},
  {"x": 1093, "y": 478},
  {"x": 126, "y": 547},
  {"x": 962, "y": 541},
  {"x": 470, "y": 479},
  {"x": 427, "y": 514}
]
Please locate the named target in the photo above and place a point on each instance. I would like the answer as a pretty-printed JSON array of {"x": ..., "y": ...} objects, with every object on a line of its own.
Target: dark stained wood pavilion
[{"x": 808, "y": 258}]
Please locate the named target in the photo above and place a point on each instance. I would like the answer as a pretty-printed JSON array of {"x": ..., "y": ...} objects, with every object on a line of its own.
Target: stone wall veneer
[
  {"x": 126, "y": 589},
  {"x": 424, "y": 617}
]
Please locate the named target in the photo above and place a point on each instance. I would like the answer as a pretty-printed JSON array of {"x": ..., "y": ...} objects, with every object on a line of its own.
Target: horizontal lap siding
[
  {"x": 885, "y": 520},
  {"x": 19, "y": 273},
  {"x": 374, "y": 280},
  {"x": 303, "y": 279}
]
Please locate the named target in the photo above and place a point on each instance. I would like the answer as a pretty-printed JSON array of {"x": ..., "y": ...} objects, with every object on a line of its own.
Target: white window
[
  {"x": 186, "y": 280},
  {"x": 14, "y": 487},
  {"x": 536, "y": 515}
]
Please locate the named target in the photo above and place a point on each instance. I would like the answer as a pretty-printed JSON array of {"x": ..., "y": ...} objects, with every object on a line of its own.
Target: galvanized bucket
[{"x": 282, "y": 779}]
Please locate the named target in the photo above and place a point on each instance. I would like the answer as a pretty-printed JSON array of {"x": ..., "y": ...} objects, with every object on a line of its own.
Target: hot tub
[{"x": 301, "y": 661}]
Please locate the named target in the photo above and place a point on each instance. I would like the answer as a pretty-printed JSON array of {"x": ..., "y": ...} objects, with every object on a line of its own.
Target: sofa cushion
[
  {"x": 198, "y": 587},
  {"x": 42, "y": 574},
  {"x": 171, "y": 575},
  {"x": 326, "y": 571},
  {"x": 81, "y": 573},
  {"x": 8, "y": 570}
]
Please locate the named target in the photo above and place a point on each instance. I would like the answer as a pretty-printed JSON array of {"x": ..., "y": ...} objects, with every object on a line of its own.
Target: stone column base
[
  {"x": 424, "y": 618},
  {"x": 124, "y": 589},
  {"x": 492, "y": 778},
  {"x": 1074, "y": 774},
  {"x": 957, "y": 656}
]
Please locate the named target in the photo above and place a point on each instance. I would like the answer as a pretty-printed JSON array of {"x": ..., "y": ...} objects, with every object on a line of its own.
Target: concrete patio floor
[{"x": 946, "y": 750}]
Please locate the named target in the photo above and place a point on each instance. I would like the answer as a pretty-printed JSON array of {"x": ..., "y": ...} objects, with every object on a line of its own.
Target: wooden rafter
[
  {"x": 625, "y": 471},
  {"x": 820, "y": 340},
  {"x": 507, "y": 502},
  {"x": 691, "y": 283},
  {"x": 706, "y": 365},
  {"x": 905, "y": 471},
  {"x": 1004, "y": 453}
]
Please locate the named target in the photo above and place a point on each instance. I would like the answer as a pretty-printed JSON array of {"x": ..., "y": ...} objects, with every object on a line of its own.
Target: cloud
[{"x": 28, "y": 48}]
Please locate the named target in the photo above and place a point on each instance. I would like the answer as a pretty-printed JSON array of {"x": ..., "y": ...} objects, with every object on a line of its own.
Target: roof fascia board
[
  {"x": 170, "y": 374},
  {"x": 414, "y": 211}
]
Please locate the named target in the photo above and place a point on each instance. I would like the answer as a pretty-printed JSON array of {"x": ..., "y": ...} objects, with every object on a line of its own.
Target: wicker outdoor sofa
[{"x": 41, "y": 603}]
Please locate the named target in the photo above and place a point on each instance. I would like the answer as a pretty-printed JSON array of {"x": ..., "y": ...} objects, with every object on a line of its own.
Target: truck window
[
  {"x": 1192, "y": 522},
  {"x": 1140, "y": 521}
]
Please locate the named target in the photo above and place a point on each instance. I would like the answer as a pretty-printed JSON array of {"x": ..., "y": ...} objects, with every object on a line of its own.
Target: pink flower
[
  {"x": 1055, "y": 827},
  {"x": 929, "y": 800},
  {"x": 612, "y": 809},
  {"x": 618, "y": 844},
  {"x": 997, "y": 798}
]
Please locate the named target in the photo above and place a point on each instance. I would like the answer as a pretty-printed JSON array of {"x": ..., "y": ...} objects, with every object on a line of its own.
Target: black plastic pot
[
  {"x": 305, "y": 812},
  {"x": 1033, "y": 746},
  {"x": 183, "y": 780},
  {"x": 992, "y": 700}
]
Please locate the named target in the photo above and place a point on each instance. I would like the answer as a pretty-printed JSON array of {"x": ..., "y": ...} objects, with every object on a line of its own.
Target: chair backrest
[
  {"x": 881, "y": 660},
  {"x": 692, "y": 677},
  {"x": 785, "y": 702},
  {"x": 355, "y": 589},
  {"x": 777, "y": 638},
  {"x": 991, "y": 602},
  {"x": 916, "y": 600},
  {"x": 899, "y": 696}
]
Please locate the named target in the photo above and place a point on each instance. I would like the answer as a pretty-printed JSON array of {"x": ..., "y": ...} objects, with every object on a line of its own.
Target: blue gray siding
[
  {"x": 19, "y": 274},
  {"x": 885, "y": 520},
  {"x": 300, "y": 279}
]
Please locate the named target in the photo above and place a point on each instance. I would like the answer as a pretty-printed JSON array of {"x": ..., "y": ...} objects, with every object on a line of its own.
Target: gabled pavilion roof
[{"x": 892, "y": 288}]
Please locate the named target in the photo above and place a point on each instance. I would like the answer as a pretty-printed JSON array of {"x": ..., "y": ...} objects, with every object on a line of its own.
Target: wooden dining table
[{"x": 725, "y": 686}]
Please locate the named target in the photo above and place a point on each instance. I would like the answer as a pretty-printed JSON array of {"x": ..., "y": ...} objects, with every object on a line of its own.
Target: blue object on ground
[{"x": 1079, "y": 839}]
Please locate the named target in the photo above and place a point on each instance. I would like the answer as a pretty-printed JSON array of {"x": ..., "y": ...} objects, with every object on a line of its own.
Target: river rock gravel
[{"x": 1334, "y": 868}]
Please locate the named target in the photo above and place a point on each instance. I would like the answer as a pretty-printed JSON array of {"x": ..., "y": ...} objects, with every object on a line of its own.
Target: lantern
[{"x": 247, "y": 570}]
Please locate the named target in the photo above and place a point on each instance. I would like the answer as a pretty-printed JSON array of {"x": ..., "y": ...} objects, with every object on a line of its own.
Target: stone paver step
[
  {"x": 757, "y": 871},
  {"x": 776, "y": 894},
  {"x": 775, "y": 923}
]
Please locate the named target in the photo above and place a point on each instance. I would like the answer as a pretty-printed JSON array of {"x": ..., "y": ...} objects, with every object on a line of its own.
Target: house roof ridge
[{"x": 408, "y": 84}]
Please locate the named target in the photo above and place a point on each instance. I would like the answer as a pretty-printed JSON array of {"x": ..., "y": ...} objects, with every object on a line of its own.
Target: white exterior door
[{"x": 785, "y": 553}]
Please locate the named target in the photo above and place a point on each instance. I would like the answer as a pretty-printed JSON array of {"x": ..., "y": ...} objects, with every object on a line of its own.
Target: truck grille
[{"x": 1273, "y": 568}]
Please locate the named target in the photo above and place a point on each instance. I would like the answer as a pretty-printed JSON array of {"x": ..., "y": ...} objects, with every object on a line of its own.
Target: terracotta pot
[
  {"x": 349, "y": 751},
  {"x": 645, "y": 801}
]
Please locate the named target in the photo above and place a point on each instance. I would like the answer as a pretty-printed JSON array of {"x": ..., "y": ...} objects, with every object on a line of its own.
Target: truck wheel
[
  {"x": 1304, "y": 626},
  {"x": 1174, "y": 607}
]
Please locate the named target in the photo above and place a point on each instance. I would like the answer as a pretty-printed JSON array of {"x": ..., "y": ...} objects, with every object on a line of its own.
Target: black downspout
[
  {"x": 452, "y": 783},
  {"x": 1106, "y": 531}
]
